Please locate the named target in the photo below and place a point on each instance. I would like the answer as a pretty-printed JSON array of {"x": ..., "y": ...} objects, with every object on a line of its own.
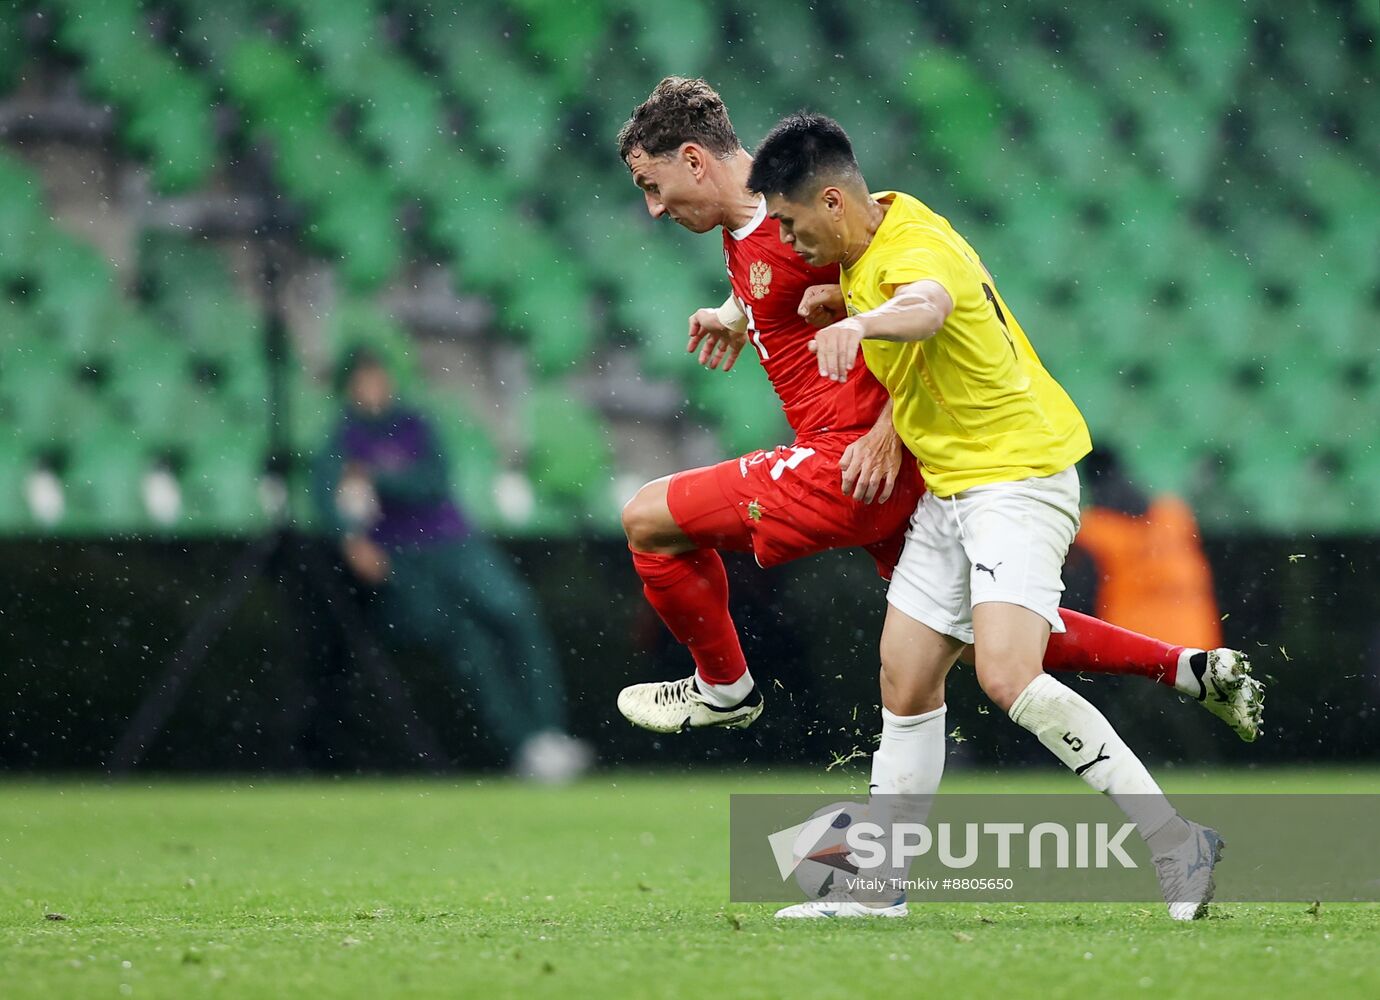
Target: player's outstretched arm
[
  {"x": 718, "y": 334},
  {"x": 915, "y": 312},
  {"x": 872, "y": 463}
]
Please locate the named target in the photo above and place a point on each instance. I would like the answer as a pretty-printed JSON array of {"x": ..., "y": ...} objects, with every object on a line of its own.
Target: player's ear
[
  {"x": 832, "y": 200},
  {"x": 694, "y": 158}
]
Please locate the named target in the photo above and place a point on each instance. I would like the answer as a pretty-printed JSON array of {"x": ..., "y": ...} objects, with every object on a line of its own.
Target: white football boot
[
  {"x": 1221, "y": 681},
  {"x": 840, "y": 903},
  {"x": 1185, "y": 873},
  {"x": 676, "y": 706}
]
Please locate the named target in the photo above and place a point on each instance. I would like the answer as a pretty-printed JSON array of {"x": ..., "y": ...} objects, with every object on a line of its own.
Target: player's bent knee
[
  {"x": 1002, "y": 684},
  {"x": 648, "y": 524},
  {"x": 907, "y": 691}
]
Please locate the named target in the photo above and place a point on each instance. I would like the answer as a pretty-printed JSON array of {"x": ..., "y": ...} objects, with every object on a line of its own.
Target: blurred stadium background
[{"x": 205, "y": 205}]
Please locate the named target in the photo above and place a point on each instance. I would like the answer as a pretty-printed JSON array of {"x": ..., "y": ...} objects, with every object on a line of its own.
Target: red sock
[
  {"x": 1096, "y": 647},
  {"x": 690, "y": 593}
]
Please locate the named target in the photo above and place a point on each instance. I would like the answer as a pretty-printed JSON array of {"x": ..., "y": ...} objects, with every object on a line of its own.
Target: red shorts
[{"x": 789, "y": 502}]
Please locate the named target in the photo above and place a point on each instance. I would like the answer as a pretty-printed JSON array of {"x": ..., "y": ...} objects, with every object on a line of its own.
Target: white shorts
[{"x": 1005, "y": 542}]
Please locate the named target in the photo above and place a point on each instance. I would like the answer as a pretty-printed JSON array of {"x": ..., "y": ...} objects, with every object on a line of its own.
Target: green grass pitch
[{"x": 614, "y": 887}]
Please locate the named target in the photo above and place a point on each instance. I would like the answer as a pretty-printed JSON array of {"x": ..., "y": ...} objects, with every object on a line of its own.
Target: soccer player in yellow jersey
[{"x": 997, "y": 439}]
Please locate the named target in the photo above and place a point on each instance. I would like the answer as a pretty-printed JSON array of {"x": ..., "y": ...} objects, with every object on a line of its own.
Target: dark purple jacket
[{"x": 401, "y": 455}]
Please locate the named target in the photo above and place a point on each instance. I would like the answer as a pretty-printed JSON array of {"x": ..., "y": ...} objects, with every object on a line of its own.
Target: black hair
[
  {"x": 356, "y": 358},
  {"x": 801, "y": 149}
]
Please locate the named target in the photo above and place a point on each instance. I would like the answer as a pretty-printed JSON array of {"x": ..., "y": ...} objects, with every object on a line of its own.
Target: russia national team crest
[{"x": 759, "y": 276}]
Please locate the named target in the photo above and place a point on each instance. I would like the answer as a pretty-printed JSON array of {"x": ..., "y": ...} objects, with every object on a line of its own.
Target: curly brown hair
[{"x": 679, "y": 110}]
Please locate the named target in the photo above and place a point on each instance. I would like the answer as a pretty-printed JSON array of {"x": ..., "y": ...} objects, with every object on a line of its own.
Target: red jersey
[{"x": 768, "y": 280}]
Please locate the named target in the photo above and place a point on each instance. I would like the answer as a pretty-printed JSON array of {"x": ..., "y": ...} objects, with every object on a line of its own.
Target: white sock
[
  {"x": 1081, "y": 737},
  {"x": 1185, "y": 680},
  {"x": 910, "y": 758},
  {"x": 906, "y": 769},
  {"x": 725, "y": 695}
]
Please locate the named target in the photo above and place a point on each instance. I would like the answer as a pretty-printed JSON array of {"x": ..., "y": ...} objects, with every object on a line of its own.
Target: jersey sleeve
[{"x": 926, "y": 259}]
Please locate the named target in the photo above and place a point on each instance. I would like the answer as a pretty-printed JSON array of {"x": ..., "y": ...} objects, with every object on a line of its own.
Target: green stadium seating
[
  {"x": 747, "y": 421},
  {"x": 220, "y": 484},
  {"x": 313, "y": 412},
  {"x": 570, "y": 460},
  {"x": 342, "y": 35},
  {"x": 947, "y": 87},
  {"x": 679, "y": 35},
  {"x": 21, "y": 218},
  {"x": 36, "y": 386},
  {"x": 151, "y": 379},
  {"x": 356, "y": 213},
  {"x": 15, "y": 463},
  {"x": 1160, "y": 199},
  {"x": 103, "y": 481},
  {"x": 470, "y": 451},
  {"x": 167, "y": 111},
  {"x": 1208, "y": 38},
  {"x": 566, "y": 36},
  {"x": 75, "y": 293},
  {"x": 357, "y": 325}
]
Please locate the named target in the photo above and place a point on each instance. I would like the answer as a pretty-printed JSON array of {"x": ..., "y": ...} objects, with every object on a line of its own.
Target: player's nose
[{"x": 654, "y": 207}]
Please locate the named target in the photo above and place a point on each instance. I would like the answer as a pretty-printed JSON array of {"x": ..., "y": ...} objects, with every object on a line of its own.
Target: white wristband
[{"x": 731, "y": 315}]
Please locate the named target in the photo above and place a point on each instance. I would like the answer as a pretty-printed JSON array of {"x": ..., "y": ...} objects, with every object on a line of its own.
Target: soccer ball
[{"x": 822, "y": 865}]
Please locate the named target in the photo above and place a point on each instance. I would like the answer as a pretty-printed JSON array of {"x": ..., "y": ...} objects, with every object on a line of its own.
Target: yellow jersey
[{"x": 973, "y": 403}]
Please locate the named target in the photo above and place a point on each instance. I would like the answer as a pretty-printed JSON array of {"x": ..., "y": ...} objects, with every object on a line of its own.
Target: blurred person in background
[
  {"x": 1138, "y": 560},
  {"x": 383, "y": 487}
]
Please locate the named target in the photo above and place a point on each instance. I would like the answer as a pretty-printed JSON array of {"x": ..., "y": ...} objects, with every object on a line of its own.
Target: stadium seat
[
  {"x": 554, "y": 308},
  {"x": 342, "y": 35},
  {"x": 1208, "y": 38},
  {"x": 570, "y": 459},
  {"x": 671, "y": 34},
  {"x": 14, "y": 468},
  {"x": 75, "y": 294},
  {"x": 103, "y": 482},
  {"x": 355, "y": 217},
  {"x": 742, "y": 407},
  {"x": 221, "y": 485},
  {"x": 166, "y": 111},
  {"x": 37, "y": 381},
  {"x": 22, "y": 218},
  {"x": 402, "y": 116},
  {"x": 481, "y": 69},
  {"x": 946, "y": 87},
  {"x": 566, "y": 36},
  {"x": 471, "y": 453}
]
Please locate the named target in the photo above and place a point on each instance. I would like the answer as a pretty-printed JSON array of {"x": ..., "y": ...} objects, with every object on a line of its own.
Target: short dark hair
[
  {"x": 679, "y": 110},
  {"x": 356, "y": 358},
  {"x": 800, "y": 149}
]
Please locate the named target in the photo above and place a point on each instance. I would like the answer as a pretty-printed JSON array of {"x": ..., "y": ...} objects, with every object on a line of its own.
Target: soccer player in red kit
[{"x": 846, "y": 481}]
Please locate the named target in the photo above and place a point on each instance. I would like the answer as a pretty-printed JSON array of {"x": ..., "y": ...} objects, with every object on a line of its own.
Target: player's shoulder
[
  {"x": 762, "y": 234},
  {"x": 910, "y": 218},
  {"x": 913, "y": 228},
  {"x": 907, "y": 206}
]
